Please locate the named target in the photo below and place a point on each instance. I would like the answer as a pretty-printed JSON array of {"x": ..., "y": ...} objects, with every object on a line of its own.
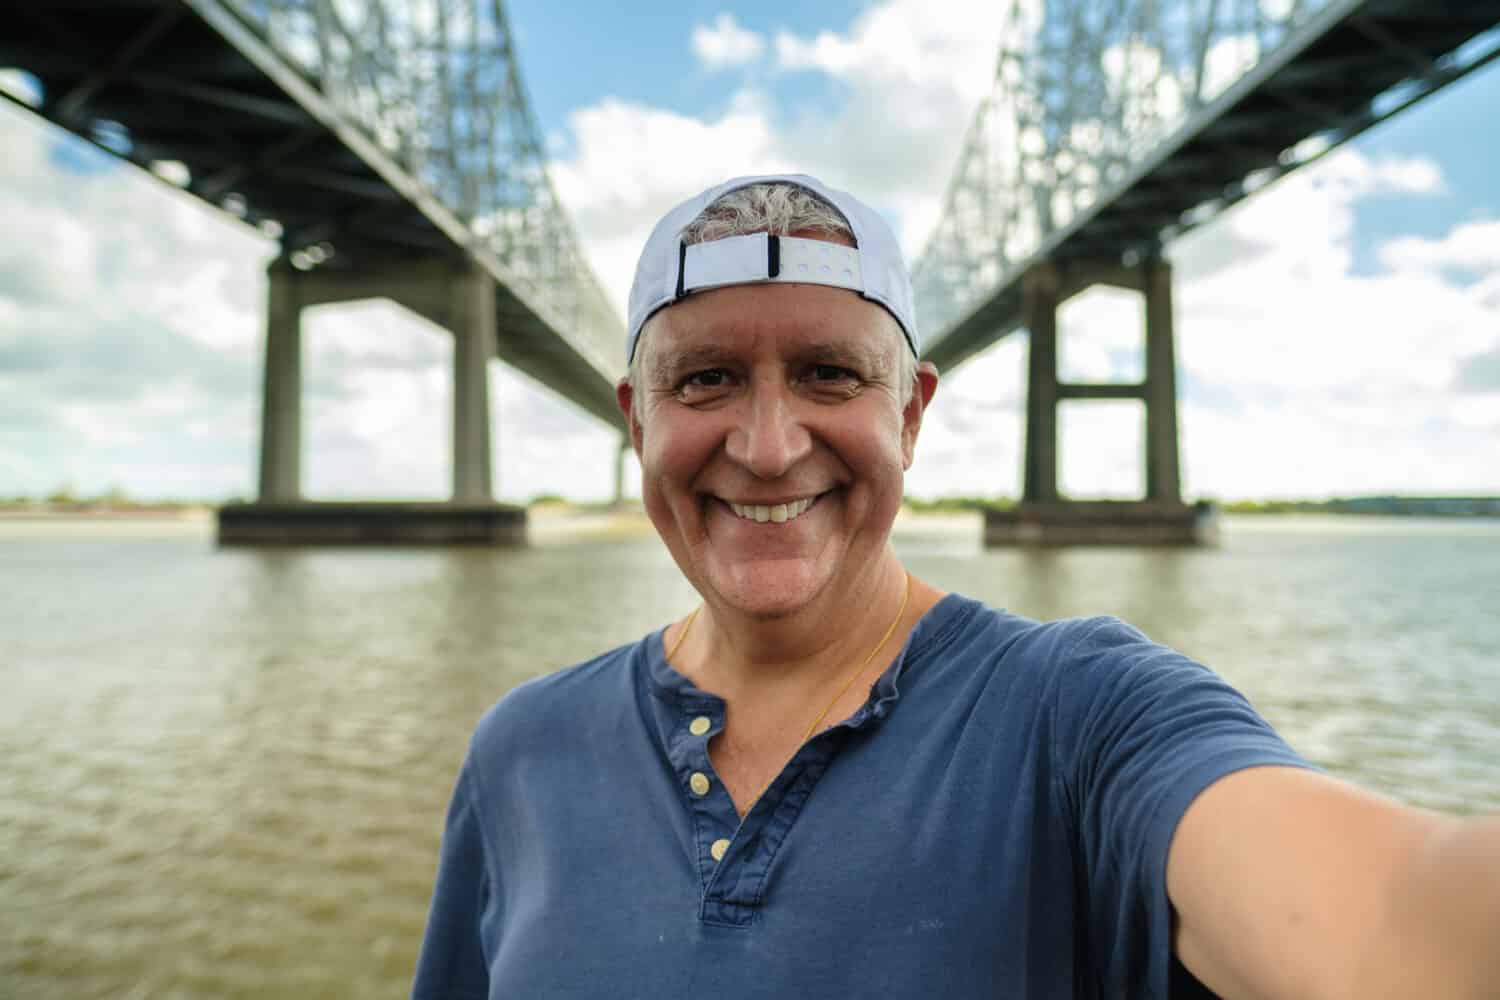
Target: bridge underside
[{"x": 152, "y": 82}]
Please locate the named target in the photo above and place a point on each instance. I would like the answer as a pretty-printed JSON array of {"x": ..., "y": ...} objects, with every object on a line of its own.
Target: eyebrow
[
  {"x": 665, "y": 365},
  {"x": 848, "y": 353},
  {"x": 851, "y": 353}
]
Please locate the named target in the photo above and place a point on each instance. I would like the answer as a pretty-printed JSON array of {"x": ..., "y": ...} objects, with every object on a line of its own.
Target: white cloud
[
  {"x": 726, "y": 43},
  {"x": 946, "y": 44},
  {"x": 1396, "y": 175},
  {"x": 828, "y": 52},
  {"x": 1306, "y": 377},
  {"x": 1288, "y": 311},
  {"x": 1473, "y": 246}
]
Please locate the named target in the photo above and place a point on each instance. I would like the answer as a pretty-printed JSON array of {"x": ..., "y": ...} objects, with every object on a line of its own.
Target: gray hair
[{"x": 780, "y": 208}]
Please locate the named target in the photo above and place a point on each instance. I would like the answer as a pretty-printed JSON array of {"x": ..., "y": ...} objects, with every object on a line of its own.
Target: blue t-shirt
[{"x": 993, "y": 822}]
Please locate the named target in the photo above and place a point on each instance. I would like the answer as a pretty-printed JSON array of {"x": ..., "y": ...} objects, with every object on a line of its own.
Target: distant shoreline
[
  {"x": 552, "y": 508},
  {"x": 75, "y": 513},
  {"x": 1380, "y": 506}
]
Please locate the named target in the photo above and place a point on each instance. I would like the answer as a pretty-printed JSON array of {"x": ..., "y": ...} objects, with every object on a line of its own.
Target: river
[{"x": 225, "y": 770}]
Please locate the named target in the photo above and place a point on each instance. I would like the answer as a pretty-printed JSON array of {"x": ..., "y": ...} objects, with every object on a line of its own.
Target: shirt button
[
  {"x": 717, "y": 848},
  {"x": 698, "y": 783},
  {"x": 700, "y": 725}
]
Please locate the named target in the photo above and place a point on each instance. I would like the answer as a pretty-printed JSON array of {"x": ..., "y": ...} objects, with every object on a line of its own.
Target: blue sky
[
  {"x": 1453, "y": 129},
  {"x": 650, "y": 68},
  {"x": 1339, "y": 333}
]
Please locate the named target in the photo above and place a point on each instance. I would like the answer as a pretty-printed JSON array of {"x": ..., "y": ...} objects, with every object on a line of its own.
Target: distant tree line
[
  {"x": 956, "y": 505},
  {"x": 1476, "y": 506},
  {"x": 1473, "y": 506},
  {"x": 65, "y": 498}
]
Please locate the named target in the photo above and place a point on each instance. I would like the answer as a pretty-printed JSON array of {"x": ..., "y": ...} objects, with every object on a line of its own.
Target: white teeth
[{"x": 779, "y": 514}]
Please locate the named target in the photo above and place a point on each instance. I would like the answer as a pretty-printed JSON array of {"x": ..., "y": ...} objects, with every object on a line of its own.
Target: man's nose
[{"x": 772, "y": 439}]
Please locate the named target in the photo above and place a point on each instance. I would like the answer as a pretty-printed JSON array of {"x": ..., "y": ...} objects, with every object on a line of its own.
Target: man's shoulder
[
  {"x": 559, "y": 702},
  {"x": 978, "y": 630},
  {"x": 1066, "y": 663}
]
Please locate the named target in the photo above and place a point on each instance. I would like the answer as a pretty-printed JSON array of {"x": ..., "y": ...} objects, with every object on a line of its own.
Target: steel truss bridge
[
  {"x": 357, "y": 132},
  {"x": 389, "y": 146},
  {"x": 1113, "y": 126}
]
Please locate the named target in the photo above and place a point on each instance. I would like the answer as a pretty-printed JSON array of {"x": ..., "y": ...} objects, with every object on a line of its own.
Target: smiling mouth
[{"x": 775, "y": 513}]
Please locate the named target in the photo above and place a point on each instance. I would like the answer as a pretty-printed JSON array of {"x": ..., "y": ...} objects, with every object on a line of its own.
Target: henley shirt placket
[{"x": 734, "y": 854}]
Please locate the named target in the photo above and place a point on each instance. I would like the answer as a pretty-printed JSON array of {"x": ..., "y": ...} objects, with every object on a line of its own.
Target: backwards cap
[{"x": 669, "y": 270}]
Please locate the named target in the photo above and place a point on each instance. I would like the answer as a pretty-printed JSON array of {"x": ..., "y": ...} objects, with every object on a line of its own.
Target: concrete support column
[
  {"x": 473, "y": 346},
  {"x": 1039, "y": 300},
  {"x": 281, "y": 398},
  {"x": 1163, "y": 482}
]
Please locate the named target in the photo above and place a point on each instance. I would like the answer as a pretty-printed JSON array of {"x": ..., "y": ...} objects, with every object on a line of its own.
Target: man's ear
[
  {"x": 625, "y": 397},
  {"x": 911, "y": 416}
]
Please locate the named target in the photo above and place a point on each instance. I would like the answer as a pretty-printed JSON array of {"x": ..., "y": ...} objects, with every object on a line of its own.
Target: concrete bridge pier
[
  {"x": 281, "y": 388},
  {"x": 472, "y": 298},
  {"x": 454, "y": 293},
  {"x": 1044, "y": 516}
]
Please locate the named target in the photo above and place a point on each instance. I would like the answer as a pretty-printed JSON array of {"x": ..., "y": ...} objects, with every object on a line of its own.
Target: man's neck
[
  {"x": 782, "y": 680},
  {"x": 736, "y": 656}
]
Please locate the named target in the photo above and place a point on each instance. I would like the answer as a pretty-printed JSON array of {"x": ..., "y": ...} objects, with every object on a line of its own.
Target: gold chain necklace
[
  {"x": 890, "y": 630},
  {"x": 905, "y": 595}
]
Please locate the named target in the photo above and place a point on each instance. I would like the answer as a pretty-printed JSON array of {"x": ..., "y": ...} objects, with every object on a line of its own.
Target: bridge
[
  {"x": 1111, "y": 129},
  {"x": 389, "y": 147}
]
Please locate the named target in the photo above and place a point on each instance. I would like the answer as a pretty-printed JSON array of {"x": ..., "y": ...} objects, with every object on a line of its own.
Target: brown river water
[{"x": 225, "y": 770}]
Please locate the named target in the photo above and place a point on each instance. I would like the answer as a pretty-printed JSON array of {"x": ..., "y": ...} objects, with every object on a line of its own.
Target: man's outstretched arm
[{"x": 1289, "y": 883}]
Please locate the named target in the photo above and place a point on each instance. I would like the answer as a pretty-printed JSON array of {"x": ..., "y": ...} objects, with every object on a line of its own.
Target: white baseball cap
[{"x": 669, "y": 270}]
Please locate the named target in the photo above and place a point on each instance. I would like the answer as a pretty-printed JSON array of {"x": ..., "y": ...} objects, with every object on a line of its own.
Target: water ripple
[{"x": 227, "y": 770}]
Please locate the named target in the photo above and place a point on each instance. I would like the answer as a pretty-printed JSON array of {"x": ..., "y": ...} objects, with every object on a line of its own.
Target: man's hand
[{"x": 1287, "y": 883}]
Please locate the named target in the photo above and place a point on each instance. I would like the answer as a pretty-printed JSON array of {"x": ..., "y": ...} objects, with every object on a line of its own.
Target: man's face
[{"x": 773, "y": 440}]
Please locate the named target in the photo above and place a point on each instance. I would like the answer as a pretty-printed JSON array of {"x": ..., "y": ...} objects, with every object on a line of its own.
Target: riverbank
[
  {"x": 551, "y": 511},
  {"x": 550, "y": 517}
]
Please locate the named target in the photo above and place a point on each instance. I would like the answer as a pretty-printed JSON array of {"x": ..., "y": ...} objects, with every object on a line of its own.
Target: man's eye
[
  {"x": 831, "y": 373},
  {"x": 705, "y": 386},
  {"x": 713, "y": 378}
]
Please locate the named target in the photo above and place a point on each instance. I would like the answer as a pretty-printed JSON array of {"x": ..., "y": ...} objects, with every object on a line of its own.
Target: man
[{"x": 832, "y": 779}]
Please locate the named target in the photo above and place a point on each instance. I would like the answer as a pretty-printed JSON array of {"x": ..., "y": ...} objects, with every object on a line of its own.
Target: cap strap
[{"x": 760, "y": 257}]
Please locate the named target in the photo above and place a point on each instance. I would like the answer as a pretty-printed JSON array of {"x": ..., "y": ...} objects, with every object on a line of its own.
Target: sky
[{"x": 1338, "y": 333}]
